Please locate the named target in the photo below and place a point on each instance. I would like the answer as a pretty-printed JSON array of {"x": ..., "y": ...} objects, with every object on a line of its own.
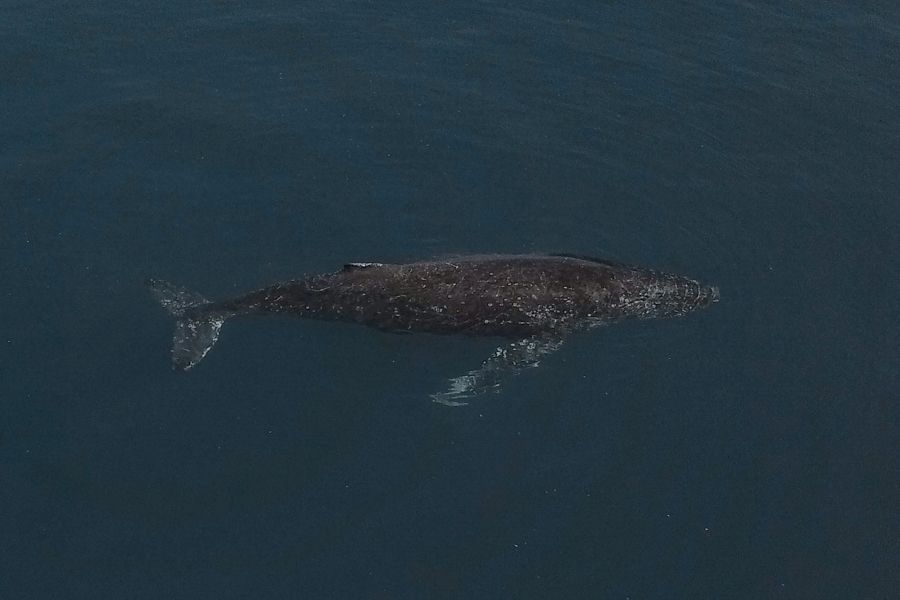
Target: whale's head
[
  {"x": 708, "y": 295},
  {"x": 649, "y": 294},
  {"x": 689, "y": 295}
]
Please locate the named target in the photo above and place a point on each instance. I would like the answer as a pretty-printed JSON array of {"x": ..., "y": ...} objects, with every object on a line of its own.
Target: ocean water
[{"x": 746, "y": 451}]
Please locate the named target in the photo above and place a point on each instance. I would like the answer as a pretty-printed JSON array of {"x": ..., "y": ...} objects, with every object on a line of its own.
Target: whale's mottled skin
[{"x": 535, "y": 300}]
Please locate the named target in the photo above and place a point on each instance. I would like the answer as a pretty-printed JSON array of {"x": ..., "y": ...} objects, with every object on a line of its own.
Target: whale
[{"x": 534, "y": 301}]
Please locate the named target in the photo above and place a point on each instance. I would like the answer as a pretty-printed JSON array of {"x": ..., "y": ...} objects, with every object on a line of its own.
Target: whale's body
[{"x": 534, "y": 299}]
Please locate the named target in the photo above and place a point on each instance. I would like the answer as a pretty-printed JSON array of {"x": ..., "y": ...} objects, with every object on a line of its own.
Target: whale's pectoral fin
[{"x": 505, "y": 361}]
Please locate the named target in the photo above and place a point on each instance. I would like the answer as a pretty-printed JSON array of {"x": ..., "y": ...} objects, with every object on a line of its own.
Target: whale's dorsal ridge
[
  {"x": 361, "y": 265},
  {"x": 593, "y": 259}
]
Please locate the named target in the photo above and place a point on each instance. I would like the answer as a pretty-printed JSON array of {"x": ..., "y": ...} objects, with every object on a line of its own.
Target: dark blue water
[{"x": 746, "y": 451}]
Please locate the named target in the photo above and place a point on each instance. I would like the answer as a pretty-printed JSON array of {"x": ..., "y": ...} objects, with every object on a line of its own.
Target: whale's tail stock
[{"x": 196, "y": 330}]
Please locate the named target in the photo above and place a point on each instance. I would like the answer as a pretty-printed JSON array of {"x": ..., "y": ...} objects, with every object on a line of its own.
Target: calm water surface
[{"x": 747, "y": 451}]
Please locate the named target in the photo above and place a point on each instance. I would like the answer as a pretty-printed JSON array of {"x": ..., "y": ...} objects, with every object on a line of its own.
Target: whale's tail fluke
[{"x": 196, "y": 329}]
